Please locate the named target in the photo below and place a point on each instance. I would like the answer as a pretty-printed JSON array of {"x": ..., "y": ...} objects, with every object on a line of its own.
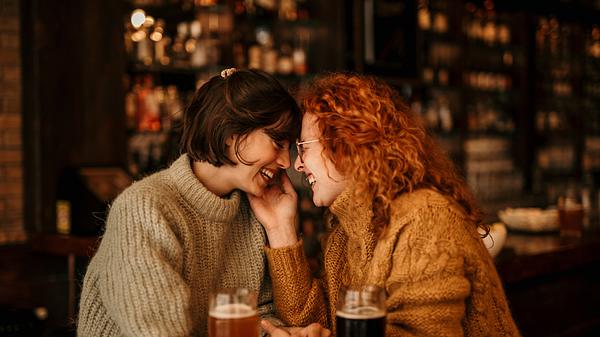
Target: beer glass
[
  {"x": 361, "y": 312},
  {"x": 232, "y": 313},
  {"x": 570, "y": 211}
]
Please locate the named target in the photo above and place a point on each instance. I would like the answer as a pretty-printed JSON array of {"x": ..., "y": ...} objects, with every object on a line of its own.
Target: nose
[
  {"x": 283, "y": 160},
  {"x": 298, "y": 166}
]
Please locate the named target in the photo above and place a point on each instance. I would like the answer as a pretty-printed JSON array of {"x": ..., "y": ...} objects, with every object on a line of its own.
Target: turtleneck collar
[
  {"x": 355, "y": 218},
  {"x": 206, "y": 202}
]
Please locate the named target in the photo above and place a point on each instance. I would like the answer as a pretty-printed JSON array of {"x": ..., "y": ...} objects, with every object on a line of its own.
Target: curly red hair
[{"x": 372, "y": 136}]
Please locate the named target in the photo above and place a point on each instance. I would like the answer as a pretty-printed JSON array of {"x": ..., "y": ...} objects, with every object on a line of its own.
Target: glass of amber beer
[
  {"x": 570, "y": 211},
  {"x": 232, "y": 313},
  {"x": 361, "y": 312}
]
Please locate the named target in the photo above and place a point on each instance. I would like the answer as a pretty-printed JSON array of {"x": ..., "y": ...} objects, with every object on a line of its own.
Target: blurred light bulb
[
  {"x": 138, "y": 36},
  {"x": 149, "y": 21},
  {"x": 138, "y": 17},
  {"x": 156, "y": 36}
]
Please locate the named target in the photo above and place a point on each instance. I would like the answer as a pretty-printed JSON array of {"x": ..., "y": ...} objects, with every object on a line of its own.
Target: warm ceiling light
[{"x": 138, "y": 17}]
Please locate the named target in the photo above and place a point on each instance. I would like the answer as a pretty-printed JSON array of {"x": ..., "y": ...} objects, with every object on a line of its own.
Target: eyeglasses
[{"x": 300, "y": 147}]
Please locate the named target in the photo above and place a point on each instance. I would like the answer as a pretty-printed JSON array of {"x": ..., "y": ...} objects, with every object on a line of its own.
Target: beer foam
[
  {"x": 231, "y": 311},
  {"x": 361, "y": 313}
]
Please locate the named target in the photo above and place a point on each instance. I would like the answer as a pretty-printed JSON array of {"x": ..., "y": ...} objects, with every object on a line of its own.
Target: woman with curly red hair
[{"x": 399, "y": 217}]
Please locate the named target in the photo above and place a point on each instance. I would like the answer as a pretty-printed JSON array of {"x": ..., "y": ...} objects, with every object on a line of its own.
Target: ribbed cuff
[{"x": 289, "y": 262}]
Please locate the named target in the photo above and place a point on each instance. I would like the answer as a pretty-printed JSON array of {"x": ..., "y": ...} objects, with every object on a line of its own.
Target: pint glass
[
  {"x": 232, "y": 313},
  {"x": 361, "y": 312}
]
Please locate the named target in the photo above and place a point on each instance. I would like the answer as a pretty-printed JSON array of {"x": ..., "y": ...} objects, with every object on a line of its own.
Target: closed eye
[{"x": 279, "y": 144}]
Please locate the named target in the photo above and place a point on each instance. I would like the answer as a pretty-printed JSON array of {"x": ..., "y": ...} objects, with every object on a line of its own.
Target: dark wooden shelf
[{"x": 171, "y": 69}]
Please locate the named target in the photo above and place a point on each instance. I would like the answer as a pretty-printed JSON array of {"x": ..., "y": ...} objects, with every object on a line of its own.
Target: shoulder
[
  {"x": 147, "y": 203},
  {"x": 426, "y": 213},
  {"x": 149, "y": 191},
  {"x": 412, "y": 204}
]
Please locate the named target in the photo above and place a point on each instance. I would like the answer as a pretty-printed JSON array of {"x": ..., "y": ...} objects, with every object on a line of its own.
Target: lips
[
  {"x": 270, "y": 176},
  {"x": 311, "y": 180}
]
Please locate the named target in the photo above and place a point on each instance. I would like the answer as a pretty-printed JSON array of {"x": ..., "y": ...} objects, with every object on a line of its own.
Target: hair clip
[{"x": 227, "y": 72}]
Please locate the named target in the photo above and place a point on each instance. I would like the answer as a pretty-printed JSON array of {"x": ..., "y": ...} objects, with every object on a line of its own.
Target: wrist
[{"x": 282, "y": 237}]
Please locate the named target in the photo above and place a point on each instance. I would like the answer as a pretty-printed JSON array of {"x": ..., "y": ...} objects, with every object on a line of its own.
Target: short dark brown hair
[{"x": 238, "y": 104}]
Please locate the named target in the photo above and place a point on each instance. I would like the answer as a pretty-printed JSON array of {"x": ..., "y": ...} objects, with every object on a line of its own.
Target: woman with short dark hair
[{"x": 177, "y": 234}]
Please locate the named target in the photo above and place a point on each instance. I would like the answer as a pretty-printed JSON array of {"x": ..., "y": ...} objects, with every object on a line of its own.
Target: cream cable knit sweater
[
  {"x": 439, "y": 278},
  {"x": 168, "y": 242}
]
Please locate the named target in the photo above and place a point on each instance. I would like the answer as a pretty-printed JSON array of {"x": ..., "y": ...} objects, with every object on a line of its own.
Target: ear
[
  {"x": 230, "y": 143},
  {"x": 231, "y": 140}
]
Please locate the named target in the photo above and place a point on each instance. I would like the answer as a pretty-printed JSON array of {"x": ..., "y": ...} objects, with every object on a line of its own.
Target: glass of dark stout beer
[
  {"x": 361, "y": 312},
  {"x": 232, "y": 313}
]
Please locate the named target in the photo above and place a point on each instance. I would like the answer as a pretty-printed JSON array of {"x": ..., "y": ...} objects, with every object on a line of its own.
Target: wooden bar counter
[{"x": 552, "y": 283}]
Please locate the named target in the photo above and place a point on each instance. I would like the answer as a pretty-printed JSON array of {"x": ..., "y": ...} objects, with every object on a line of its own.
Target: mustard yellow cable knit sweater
[
  {"x": 168, "y": 242},
  {"x": 439, "y": 278}
]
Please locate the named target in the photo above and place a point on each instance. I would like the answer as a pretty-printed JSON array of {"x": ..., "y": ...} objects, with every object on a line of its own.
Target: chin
[
  {"x": 319, "y": 203},
  {"x": 256, "y": 191}
]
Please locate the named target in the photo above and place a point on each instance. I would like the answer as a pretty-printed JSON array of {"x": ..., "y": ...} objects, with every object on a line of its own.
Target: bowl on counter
[
  {"x": 496, "y": 238},
  {"x": 534, "y": 220}
]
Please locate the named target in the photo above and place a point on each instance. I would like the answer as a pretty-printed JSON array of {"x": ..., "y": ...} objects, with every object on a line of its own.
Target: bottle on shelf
[
  {"x": 161, "y": 43},
  {"x": 423, "y": 15},
  {"x": 142, "y": 46},
  {"x": 268, "y": 53},
  {"x": 299, "y": 53},
  {"x": 179, "y": 54},
  {"x": 285, "y": 63},
  {"x": 195, "y": 46},
  {"x": 131, "y": 105},
  {"x": 288, "y": 10},
  {"x": 213, "y": 45},
  {"x": 265, "y": 9},
  {"x": 148, "y": 112}
]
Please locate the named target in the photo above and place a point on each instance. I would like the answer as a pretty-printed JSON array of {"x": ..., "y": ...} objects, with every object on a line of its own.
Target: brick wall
[{"x": 11, "y": 154}]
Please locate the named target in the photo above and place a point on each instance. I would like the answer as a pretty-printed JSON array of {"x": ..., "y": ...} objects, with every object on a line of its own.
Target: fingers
[
  {"x": 272, "y": 330},
  {"x": 313, "y": 330},
  {"x": 286, "y": 184},
  {"x": 316, "y": 330},
  {"x": 268, "y": 327}
]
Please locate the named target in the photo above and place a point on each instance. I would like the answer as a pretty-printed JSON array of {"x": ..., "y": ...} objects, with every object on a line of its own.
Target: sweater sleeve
[
  {"x": 142, "y": 288},
  {"x": 266, "y": 305},
  {"x": 427, "y": 287},
  {"x": 299, "y": 297}
]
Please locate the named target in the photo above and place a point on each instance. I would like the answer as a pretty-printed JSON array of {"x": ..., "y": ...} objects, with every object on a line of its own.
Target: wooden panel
[{"x": 74, "y": 97}]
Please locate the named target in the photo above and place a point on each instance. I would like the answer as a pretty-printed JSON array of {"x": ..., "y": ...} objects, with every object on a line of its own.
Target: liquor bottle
[
  {"x": 173, "y": 105},
  {"x": 179, "y": 54},
  {"x": 131, "y": 104},
  {"x": 265, "y": 9},
  {"x": 195, "y": 47},
  {"x": 423, "y": 15},
  {"x": 213, "y": 48},
  {"x": 288, "y": 10},
  {"x": 269, "y": 55},
  {"x": 161, "y": 41},
  {"x": 143, "y": 46},
  {"x": 299, "y": 53},
  {"x": 128, "y": 41},
  {"x": 148, "y": 107},
  {"x": 285, "y": 64},
  {"x": 239, "y": 53},
  {"x": 303, "y": 9}
]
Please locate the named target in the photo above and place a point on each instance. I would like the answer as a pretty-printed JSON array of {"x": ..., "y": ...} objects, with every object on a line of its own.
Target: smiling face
[
  {"x": 326, "y": 182},
  {"x": 264, "y": 158}
]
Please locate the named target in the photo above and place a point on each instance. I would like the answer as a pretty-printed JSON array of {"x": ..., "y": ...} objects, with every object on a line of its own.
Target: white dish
[
  {"x": 530, "y": 219},
  {"x": 496, "y": 238}
]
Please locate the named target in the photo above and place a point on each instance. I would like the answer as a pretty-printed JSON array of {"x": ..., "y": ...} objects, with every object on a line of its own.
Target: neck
[{"x": 215, "y": 179}]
